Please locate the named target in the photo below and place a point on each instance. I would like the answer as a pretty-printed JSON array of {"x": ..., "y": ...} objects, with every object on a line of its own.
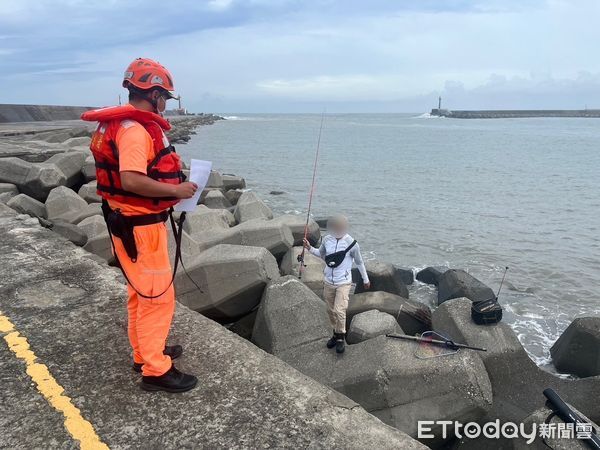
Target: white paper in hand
[{"x": 199, "y": 173}]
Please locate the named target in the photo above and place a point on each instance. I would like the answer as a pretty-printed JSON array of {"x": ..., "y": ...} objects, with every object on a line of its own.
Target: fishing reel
[{"x": 300, "y": 259}]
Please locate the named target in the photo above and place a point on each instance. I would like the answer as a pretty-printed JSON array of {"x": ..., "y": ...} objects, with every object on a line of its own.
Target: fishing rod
[
  {"x": 562, "y": 410},
  {"x": 502, "y": 282},
  {"x": 310, "y": 198},
  {"x": 446, "y": 343}
]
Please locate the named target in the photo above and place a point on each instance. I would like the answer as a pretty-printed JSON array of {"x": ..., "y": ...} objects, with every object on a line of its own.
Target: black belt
[{"x": 147, "y": 219}]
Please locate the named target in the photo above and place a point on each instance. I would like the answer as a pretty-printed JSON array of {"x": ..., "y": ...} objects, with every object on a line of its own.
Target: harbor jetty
[
  {"x": 252, "y": 332},
  {"x": 512, "y": 113},
  {"x": 515, "y": 113}
]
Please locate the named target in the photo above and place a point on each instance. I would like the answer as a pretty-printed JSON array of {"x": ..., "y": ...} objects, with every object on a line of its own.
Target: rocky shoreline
[{"x": 245, "y": 262}]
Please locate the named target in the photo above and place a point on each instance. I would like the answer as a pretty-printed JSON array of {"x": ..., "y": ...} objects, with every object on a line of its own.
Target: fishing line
[{"x": 310, "y": 196}]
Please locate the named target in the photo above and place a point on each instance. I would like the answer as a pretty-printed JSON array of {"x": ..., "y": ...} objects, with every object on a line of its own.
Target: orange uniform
[
  {"x": 131, "y": 138},
  {"x": 149, "y": 318}
]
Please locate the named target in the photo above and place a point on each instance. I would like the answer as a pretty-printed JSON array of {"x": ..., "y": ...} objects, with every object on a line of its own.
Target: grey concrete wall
[{"x": 34, "y": 113}]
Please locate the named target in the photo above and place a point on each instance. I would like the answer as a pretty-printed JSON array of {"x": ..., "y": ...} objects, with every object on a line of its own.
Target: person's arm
[
  {"x": 135, "y": 144},
  {"x": 360, "y": 265},
  {"x": 318, "y": 252},
  {"x": 142, "y": 184}
]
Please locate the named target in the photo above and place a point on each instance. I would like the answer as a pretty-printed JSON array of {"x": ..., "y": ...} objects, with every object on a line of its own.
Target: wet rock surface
[
  {"x": 383, "y": 277},
  {"x": 458, "y": 283},
  {"x": 431, "y": 275},
  {"x": 577, "y": 350}
]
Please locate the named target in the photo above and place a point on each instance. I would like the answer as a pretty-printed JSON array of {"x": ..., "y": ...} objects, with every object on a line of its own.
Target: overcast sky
[{"x": 305, "y": 55}]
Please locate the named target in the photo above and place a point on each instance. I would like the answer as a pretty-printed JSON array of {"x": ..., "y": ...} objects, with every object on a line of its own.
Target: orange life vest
[{"x": 164, "y": 167}]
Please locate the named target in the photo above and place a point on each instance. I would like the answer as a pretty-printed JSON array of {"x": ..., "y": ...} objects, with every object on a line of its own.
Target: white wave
[
  {"x": 235, "y": 118},
  {"x": 428, "y": 116}
]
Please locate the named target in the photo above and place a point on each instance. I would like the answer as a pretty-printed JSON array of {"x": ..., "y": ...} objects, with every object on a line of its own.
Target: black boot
[
  {"x": 174, "y": 351},
  {"x": 172, "y": 381},
  {"x": 340, "y": 343},
  {"x": 331, "y": 342}
]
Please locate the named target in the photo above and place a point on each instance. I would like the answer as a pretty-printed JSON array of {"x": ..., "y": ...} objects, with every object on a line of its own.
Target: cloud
[{"x": 292, "y": 54}]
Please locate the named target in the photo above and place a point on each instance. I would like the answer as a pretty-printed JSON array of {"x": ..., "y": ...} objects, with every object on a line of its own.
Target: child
[{"x": 339, "y": 250}]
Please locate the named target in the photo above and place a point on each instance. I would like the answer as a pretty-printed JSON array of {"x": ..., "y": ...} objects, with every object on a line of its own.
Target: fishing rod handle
[
  {"x": 567, "y": 414},
  {"x": 561, "y": 407},
  {"x": 470, "y": 347}
]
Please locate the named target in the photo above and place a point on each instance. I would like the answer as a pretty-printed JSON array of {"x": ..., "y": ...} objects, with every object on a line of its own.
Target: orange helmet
[{"x": 145, "y": 73}]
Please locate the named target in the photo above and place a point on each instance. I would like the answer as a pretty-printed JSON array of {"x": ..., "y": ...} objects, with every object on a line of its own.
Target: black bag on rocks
[
  {"x": 335, "y": 259},
  {"x": 486, "y": 312}
]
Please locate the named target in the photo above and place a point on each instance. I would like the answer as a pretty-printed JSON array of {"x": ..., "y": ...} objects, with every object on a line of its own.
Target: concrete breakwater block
[
  {"x": 383, "y": 277},
  {"x": 215, "y": 180},
  {"x": 7, "y": 191},
  {"x": 204, "y": 219},
  {"x": 380, "y": 374},
  {"x": 370, "y": 324},
  {"x": 250, "y": 206},
  {"x": 215, "y": 199},
  {"x": 98, "y": 241},
  {"x": 275, "y": 237},
  {"x": 458, "y": 283},
  {"x": 88, "y": 170},
  {"x": 232, "y": 279},
  {"x": 234, "y": 195},
  {"x": 59, "y": 136},
  {"x": 312, "y": 273},
  {"x": 577, "y": 350},
  {"x": 231, "y": 182},
  {"x": 190, "y": 247},
  {"x": 64, "y": 204},
  {"x": 35, "y": 180},
  {"x": 82, "y": 141},
  {"x": 89, "y": 193},
  {"x": 71, "y": 232},
  {"x": 431, "y": 275},
  {"x": 296, "y": 224},
  {"x": 70, "y": 164},
  {"x": 27, "y": 205},
  {"x": 412, "y": 316},
  {"x": 209, "y": 239}
]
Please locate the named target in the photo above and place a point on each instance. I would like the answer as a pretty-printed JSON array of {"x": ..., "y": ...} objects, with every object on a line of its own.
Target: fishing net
[{"x": 426, "y": 350}]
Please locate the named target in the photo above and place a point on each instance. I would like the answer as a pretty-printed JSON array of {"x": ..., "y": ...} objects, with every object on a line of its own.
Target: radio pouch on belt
[{"x": 120, "y": 227}]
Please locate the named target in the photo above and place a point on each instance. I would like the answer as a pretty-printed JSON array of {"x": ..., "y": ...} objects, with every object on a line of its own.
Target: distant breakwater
[
  {"x": 34, "y": 113},
  {"x": 515, "y": 113},
  {"x": 16, "y": 113}
]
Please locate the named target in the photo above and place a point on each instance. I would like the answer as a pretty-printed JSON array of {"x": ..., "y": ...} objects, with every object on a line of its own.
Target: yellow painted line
[{"x": 79, "y": 428}]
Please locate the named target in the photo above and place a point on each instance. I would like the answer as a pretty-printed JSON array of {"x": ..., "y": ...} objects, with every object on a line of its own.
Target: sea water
[{"x": 419, "y": 191}]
